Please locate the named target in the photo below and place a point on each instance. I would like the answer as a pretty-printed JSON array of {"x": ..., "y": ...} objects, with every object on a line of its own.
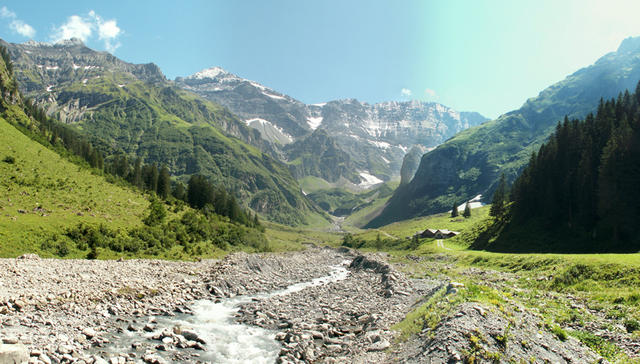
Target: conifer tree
[
  {"x": 164, "y": 183},
  {"x": 454, "y": 210},
  {"x": 499, "y": 196},
  {"x": 467, "y": 210}
]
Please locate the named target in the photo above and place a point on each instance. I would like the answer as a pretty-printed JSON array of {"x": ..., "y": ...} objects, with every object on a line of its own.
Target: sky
[{"x": 485, "y": 56}]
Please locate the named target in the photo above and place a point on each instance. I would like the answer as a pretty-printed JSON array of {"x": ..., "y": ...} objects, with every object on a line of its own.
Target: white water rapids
[{"x": 228, "y": 341}]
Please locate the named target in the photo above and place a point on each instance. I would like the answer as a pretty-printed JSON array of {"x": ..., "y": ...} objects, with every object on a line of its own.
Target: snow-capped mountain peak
[{"x": 212, "y": 72}]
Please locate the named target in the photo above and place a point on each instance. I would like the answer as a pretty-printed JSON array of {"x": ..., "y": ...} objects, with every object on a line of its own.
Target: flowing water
[{"x": 228, "y": 341}]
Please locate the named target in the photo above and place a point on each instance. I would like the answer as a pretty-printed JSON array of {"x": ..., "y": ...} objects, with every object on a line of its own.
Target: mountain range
[
  {"x": 248, "y": 137},
  {"x": 133, "y": 110},
  {"x": 375, "y": 137}
]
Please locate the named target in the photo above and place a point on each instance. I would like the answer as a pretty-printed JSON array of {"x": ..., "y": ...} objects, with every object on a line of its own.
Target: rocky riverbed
[
  {"x": 77, "y": 310},
  {"x": 321, "y": 305}
]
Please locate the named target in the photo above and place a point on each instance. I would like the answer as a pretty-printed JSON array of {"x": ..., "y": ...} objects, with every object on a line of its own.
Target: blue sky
[{"x": 485, "y": 56}]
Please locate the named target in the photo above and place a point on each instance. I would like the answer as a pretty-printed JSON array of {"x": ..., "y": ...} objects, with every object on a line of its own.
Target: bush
[
  {"x": 62, "y": 249},
  {"x": 157, "y": 213},
  {"x": 632, "y": 325},
  {"x": 9, "y": 159}
]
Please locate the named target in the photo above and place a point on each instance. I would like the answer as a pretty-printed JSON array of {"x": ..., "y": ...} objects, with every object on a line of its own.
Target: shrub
[
  {"x": 9, "y": 159},
  {"x": 632, "y": 325},
  {"x": 62, "y": 249}
]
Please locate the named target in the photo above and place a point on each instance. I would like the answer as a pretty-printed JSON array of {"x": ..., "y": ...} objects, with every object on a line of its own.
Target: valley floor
[{"x": 412, "y": 309}]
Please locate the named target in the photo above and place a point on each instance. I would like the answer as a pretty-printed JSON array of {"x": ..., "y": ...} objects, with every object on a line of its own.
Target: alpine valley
[{"x": 213, "y": 219}]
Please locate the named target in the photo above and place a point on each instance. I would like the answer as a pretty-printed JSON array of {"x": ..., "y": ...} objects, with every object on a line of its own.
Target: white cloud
[
  {"x": 406, "y": 92},
  {"x": 84, "y": 28},
  {"x": 23, "y": 28},
  {"x": 17, "y": 25},
  {"x": 75, "y": 27},
  {"x": 6, "y": 13},
  {"x": 429, "y": 92},
  {"x": 108, "y": 31}
]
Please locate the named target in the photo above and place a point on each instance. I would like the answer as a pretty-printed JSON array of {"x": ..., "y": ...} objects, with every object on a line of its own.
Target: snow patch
[
  {"x": 381, "y": 145},
  {"x": 212, "y": 72},
  {"x": 52, "y": 68},
  {"x": 277, "y": 97},
  {"x": 75, "y": 66},
  {"x": 369, "y": 180},
  {"x": 261, "y": 121},
  {"x": 264, "y": 122},
  {"x": 474, "y": 203},
  {"x": 320, "y": 104},
  {"x": 257, "y": 85},
  {"x": 50, "y": 88},
  {"x": 84, "y": 81},
  {"x": 385, "y": 160},
  {"x": 314, "y": 123},
  {"x": 121, "y": 85}
]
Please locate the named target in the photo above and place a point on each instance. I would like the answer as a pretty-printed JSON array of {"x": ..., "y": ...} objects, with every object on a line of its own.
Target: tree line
[{"x": 584, "y": 180}]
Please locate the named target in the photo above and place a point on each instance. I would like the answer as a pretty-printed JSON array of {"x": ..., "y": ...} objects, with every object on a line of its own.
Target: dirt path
[{"x": 440, "y": 244}]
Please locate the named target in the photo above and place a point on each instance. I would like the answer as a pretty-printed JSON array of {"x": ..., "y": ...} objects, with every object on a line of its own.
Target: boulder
[{"x": 13, "y": 353}]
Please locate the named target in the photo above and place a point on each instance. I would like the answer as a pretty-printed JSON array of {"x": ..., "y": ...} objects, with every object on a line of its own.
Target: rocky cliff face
[
  {"x": 376, "y": 137},
  {"x": 52, "y": 65},
  {"x": 250, "y": 101},
  {"x": 410, "y": 164}
]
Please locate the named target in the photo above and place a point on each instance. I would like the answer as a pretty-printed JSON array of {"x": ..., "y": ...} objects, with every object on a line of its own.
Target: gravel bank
[{"x": 68, "y": 310}]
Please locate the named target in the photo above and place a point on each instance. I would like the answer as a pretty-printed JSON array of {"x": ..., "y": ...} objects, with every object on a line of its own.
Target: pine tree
[
  {"x": 179, "y": 191},
  {"x": 499, "y": 196},
  {"x": 153, "y": 182},
  {"x": 454, "y": 210},
  {"x": 137, "y": 173},
  {"x": 467, "y": 210},
  {"x": 164, "y": 183}
]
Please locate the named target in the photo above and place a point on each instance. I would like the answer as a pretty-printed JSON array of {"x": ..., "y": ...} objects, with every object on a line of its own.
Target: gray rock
[
  {"x": 13, "y": 353},
  {"x": 379, "y": 345},
  {"x": 192, "y": 336},
  {"x": 89, "y": 333}
]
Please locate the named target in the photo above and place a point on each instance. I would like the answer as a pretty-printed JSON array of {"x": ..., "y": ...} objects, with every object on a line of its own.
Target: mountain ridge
[
  {"x": 133, "y": 109},
  {"x": 375, "y": 136},
  {"x": 471, "y": 162}
]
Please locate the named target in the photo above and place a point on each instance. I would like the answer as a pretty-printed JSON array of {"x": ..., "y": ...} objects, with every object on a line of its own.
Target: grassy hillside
[
  {"x": 43, "y": 194},
  {"x": 593, "y": 298},
  {"x": 341, "y": 202},
  {"x": 54, "y": 204},
  {"x": 471, "y": 162},
  {"x": 133, "y": 109}
]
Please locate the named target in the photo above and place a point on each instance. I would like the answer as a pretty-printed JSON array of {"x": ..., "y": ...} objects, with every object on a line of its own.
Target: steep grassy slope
[
  {"x": 472, "y": 161},
  {"x": 43, "y": 194},
  {"x": 132, "y": 108}
]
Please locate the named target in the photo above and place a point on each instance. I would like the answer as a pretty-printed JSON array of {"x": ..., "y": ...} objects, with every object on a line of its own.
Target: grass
[
  {"x": 310, "y": 184},
  {"x": 407, "y": 228},
  {"x": 42, "y": 194},
  {"x": 286, "y": 238},
  {"x": 606, "y": 287},
  {"x": 428, "y": 315}
]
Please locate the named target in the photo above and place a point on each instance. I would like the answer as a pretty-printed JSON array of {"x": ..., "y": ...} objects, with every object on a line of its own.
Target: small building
[
  {"x": 429, "y": 233},
  {"x": 437, "y": 233},
  {"x": 445, "y": 234}
]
